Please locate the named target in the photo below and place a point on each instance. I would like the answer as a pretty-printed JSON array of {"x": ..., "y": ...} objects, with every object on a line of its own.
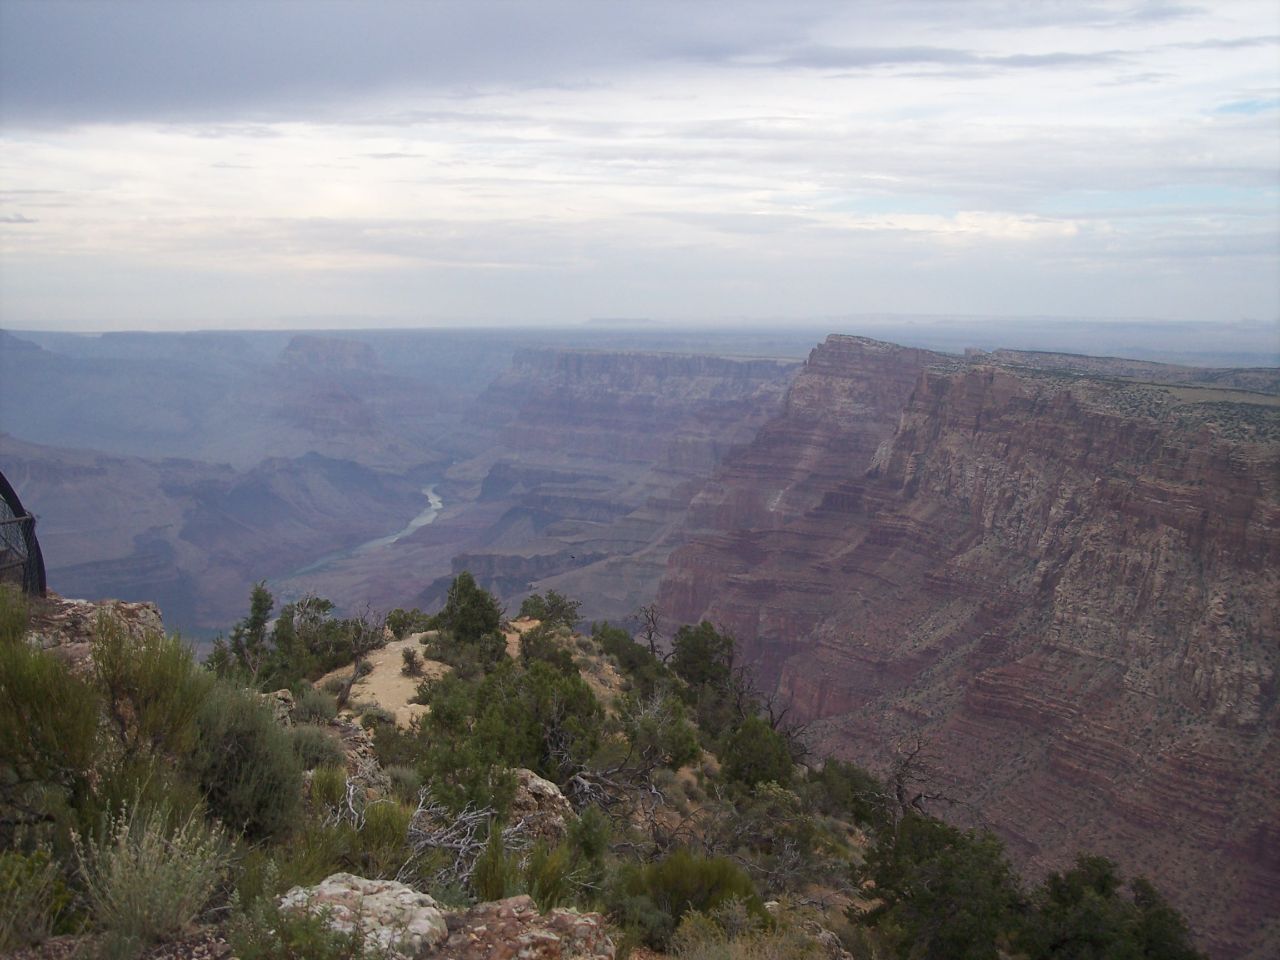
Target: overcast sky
[{"x": 172, "y": 165}]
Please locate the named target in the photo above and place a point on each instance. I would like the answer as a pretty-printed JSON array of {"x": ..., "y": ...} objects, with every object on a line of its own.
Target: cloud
[
  {"x": 16, "y": 218},
  {"x": 867, "y": 58},
  {"x": 653, "y": 158}
]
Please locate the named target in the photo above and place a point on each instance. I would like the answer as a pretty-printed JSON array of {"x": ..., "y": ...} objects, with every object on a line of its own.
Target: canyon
[
  {"x": 1060, "y": 586},
  {"x": 1054, "y": 575},
  {"x": 219, "y": 460},
  {"x": 591, "y": 461}
]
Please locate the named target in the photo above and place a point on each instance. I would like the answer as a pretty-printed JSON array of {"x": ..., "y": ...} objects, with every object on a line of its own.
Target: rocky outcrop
[
  {"x": 406, "y": 924},
  {"x": 61, "y": 622},
  {"x": 68, "y": 627},
  {"x": 363, "y": 769},
  {"x": 513, "y": 928},
  {"x": 281, "y": 704},
  {"x": 1066, "y": 586},
  {"x": 391, "y": 916},
  {"x": 539, "y": 810}
]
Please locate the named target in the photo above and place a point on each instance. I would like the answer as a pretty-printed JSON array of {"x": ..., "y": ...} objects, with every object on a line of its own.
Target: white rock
[{"x": 389, "y": 914}]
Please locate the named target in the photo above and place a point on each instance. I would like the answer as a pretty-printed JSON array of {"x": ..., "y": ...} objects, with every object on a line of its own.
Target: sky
[{"x": 173, "y": 165}]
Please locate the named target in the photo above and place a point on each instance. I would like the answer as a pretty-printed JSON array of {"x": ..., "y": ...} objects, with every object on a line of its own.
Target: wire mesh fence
[{"x": 21, "y": 562}]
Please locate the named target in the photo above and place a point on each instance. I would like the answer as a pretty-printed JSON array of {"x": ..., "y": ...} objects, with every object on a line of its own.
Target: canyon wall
[
  {"x": 592, "y": 460},
  {"x": 1066, "y": 587},
  {"x": 594, "y": 470}
]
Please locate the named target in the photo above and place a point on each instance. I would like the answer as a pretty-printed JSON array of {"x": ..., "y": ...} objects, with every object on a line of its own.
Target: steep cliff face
[
  {"x": 1068, "y": 588},
  {"x": 754, "y": 563},
  {"x": 594, "y": 470}
]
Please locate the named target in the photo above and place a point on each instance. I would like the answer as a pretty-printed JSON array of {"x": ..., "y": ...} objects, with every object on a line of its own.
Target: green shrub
[
  {"x": 552, "y": 609},
  {"x": 645, "y": 672},
  {"x": 142, "y": 780},
  {"x": 245, "y": 764},
  {"x": 469, "y": 612},
  {"x": 542, "y": 644},
  {"x": 412, "y": 666},
  {"x": 374, "y": 715},
  {"x": 314, "y": 706},
  {"x": 1083, "y": 912},
  {"x": 589, "y": 835},
  {"x": 537, "y": 718},
  {"x": 49, "y": 721},
  {"x": 14, "y": 615},
  {"x": 757, "y": 754},
  {"x": 315, "y": 850},
  {"x": 315, "y": 747},
  {"x": 383, "y": 837},
  {"x": 651, "y": 899},
  {"x": 402, "y": 622},
  {"x": 496, "y": 873},
  {"x": 152, "y": 686},
  {"x": 942, "y": 892},
  {"x": 328, "y": 786},
  {"x": 32, "y": 898},
  {"x": 548, "y": 875},
  {"x": 333, "y": 686},
  {"x": 658, "y": 732},
  {"x": 721, "y": 937},
  {"x": 846, "y": 790},
  {"x": 469, "y": 660},
  {"x": 146, "y": 881},
  {"x": 406, "y": 782}
]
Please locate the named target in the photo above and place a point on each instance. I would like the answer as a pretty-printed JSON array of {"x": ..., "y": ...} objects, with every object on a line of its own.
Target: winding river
[{"x": 434, "y": 505}]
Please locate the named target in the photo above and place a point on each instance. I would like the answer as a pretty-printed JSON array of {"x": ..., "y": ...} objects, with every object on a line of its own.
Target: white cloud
[{"x": 779, "y": 164}]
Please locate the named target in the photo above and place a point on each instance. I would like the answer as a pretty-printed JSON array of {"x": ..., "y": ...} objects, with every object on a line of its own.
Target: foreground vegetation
[{"x": 147, "y": 793}]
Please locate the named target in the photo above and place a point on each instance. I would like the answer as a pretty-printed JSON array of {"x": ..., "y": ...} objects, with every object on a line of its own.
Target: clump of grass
[
  {"x": 372, "y": 715},
  {"x": 147, "y": 881},
  {"x": 333, "y": 685},
  {"x": 32, "y": 897},
  {"x": 316, "y": 748},
  {"x": 406, "y": 782},
  {"x": 328, "y": 786},
  {"x": 14, "y": 615},
  {"x": 315, "y": 706}
]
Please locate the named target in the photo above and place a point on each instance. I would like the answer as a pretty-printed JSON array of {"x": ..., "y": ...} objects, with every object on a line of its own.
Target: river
[{"x": 434, "y": 505}]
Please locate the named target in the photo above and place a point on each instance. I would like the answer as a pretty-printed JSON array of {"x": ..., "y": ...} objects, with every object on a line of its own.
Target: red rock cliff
[{"x": 1067, "y": 586}]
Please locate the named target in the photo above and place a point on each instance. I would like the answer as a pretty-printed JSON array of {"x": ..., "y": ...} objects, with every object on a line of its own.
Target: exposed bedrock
[{"x": 1069, "y": 587}]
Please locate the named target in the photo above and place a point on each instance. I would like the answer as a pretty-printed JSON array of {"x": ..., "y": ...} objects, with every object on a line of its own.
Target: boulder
[
  {"x": 539, "y": 808},
  {"x": 390, "y": 915},
  {"x": 281, "y": 704}
]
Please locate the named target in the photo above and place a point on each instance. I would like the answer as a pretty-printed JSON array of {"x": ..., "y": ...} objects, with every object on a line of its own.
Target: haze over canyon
[{"x": 1060, "y": 572}]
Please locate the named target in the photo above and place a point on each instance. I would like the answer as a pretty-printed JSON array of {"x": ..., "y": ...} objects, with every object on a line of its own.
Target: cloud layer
[{"x": 176, "y": 165}]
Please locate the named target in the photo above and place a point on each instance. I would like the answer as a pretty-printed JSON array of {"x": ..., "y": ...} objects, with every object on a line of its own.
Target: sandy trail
[
  {"x": 390, "y": 689},
  {"x": 386, "y": 685}
]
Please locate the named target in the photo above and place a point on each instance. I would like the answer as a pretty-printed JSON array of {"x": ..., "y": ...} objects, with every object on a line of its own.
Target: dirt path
[
  {"x": 386, "y": 685},
  {"x": 390, "y": 689}
]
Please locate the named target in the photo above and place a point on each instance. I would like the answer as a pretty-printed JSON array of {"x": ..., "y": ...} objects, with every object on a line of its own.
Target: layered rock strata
[
  {"x": 1066, "y": 587},
  {"x": 597, "y": 456}
]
